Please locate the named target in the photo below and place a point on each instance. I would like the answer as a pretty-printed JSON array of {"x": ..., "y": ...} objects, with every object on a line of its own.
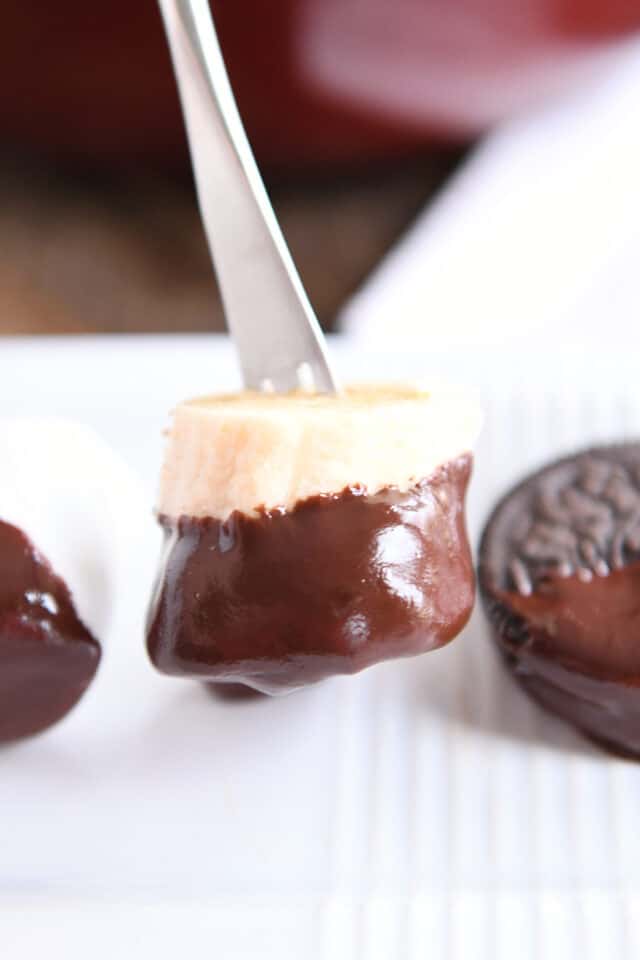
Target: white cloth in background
[{"x": 537, "y": 235}]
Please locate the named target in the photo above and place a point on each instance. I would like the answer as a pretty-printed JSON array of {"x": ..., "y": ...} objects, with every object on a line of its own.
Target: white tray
[{"x": 425, "y": 808}]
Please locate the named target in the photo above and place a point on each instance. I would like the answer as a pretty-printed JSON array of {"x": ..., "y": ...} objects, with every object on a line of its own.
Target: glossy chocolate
[
  {"x": 47, "y": 656},
  {"x": 560, "y": 579},
  {"x": 332, "y": 586}
]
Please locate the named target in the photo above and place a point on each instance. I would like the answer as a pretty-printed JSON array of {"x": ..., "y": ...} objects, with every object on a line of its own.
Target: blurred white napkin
[{"x": 538, "y": 235}]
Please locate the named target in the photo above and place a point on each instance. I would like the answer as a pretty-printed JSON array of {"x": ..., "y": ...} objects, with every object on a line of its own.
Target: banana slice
[
  {"x": 254, "y": 450},
  {"x": 307, "y": 535}
]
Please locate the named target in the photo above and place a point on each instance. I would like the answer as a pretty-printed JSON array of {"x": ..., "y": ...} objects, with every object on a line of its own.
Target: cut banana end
[
  {"x": 308, "y": 535},
  {"x": 253, "y": 450}
]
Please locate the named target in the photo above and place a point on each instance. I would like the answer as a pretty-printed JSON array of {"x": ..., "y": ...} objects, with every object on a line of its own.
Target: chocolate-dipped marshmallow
[{"x": 64, "y": 500}]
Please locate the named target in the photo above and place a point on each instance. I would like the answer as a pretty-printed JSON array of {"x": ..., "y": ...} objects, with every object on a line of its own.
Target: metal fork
[{"x": 278, "y": 338}]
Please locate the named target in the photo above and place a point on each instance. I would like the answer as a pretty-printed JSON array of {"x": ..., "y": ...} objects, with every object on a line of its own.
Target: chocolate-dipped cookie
[
  {"x": 559, "y": 575},
  {"x": 309, "y": 535}
]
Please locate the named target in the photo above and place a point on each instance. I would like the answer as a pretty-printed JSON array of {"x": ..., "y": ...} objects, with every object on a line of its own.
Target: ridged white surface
[{"x": 425, "y": 808}]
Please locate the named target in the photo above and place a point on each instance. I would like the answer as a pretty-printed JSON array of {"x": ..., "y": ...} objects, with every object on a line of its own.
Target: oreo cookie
[{"x": 559, "y": 577}]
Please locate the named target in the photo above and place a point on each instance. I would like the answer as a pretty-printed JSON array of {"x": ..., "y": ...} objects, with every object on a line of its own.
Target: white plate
[{"x": 423, "y": 808}]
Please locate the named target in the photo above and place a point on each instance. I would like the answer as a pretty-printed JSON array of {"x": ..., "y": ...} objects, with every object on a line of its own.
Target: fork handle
[{"x": 275, "y": 330}]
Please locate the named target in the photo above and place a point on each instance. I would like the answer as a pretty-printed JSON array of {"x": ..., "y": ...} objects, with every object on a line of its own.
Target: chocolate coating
[
  {"x": 559, "y": 576},
  {"x": 332, "y": 586},
  {"x": 47, "y": 655}
]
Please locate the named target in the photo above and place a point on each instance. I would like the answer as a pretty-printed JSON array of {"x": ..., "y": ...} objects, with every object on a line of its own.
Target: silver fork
[{"x": 278, "y": 338}]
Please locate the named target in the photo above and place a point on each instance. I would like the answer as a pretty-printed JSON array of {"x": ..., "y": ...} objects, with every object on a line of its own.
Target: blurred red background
[
  {"x": 318, "y": 81},
  {"x": 358, "y": 111}
]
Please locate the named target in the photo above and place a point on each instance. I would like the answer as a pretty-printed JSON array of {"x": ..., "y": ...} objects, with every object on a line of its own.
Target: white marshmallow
[{"x": 74, "y": 498}]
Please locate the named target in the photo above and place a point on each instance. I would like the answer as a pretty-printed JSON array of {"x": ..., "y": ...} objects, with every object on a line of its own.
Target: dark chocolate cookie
[{"x": 559, "y": 576}]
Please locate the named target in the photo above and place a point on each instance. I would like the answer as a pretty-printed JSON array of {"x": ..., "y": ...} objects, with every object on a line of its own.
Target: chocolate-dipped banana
[
  {"x": 309, "y": 535},
  {"x": 559, "y": 576}
]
